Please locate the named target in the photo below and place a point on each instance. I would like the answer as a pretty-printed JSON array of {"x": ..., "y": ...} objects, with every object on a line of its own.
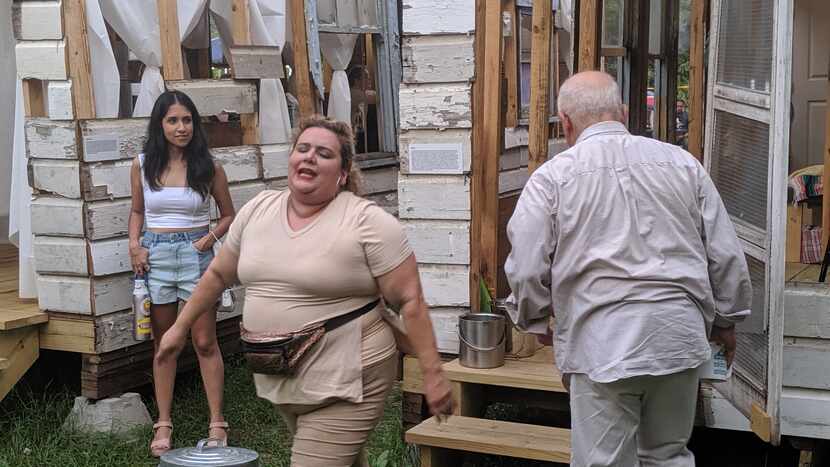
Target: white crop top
[{"x": 174, "y": 207}]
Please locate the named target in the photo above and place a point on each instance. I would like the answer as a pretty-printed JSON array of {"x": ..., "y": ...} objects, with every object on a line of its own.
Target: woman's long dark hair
[{"x": 200, "y": 168}]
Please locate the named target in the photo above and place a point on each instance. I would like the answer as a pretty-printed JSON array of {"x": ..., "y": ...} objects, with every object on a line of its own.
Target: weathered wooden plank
[
  {"x": 697, "y": 77},
  {"x": 461, "y": 138},
  {"x": 212, "y": 97},
  {"x": 59, "y": 100},
  {"x": 435, "y": 106},
  {"x": 514, "y": 158},
  {"x": 512, "y": 180},
  {"x": 83, "y": 295},
  {"x": 540, "y": 83},
  {"x": 511, "y": 65},
  {"x": 437, "y": 59},
  {"x": 434, "y": 197},
  {"x": 438, "y": 16},
  {"x": 60, "y": 255},
  {"x": 806, "y": 363},
  {"x": 106, "y": 180},
  {"x": 445, "y": 325},
  {"x": 44, "y": 60},
  {"x": 57, "y": 216},
  {"x": 243, "y": 192},
  {"x": 477, "y": 145},
  {"x": 379, "y": 180},
  {"x": 445, "y": 284},
  {"x": 256, "y": 62},
  {"x": 78, "y": 57},
  {"x": 62, "y": 178},
  {"x": 241, "y": 163},
  {"x": 439, "y": 242},
  {"x": 37, "y": 20},
  {"x": 111, "y": 256},
  {"x": 34, "y": 104},
  {"x": 275, "y": 160},
  {"x": 590, "y": 13},
  {"x": 68, "y": 333},
  {"x": 805, "y": 412},
  {"x": 306, "y": 93},
  {"x": 112, "y": 139},
  {"x": 51, "y": 140},
  {"x": 806, "y": 311},
  {"x": 106, "y": 219},
  {"x": 170, "y": 41}
]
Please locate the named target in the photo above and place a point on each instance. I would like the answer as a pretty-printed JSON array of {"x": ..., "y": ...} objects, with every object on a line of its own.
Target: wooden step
[
  {"x": 495, "y": 437},
  {"x": 28, "y": 315},
  {"x": 18, "y": 349}
]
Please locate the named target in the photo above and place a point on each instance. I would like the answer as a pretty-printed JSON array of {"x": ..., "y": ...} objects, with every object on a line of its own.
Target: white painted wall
[{"x": 7, "y": 95}]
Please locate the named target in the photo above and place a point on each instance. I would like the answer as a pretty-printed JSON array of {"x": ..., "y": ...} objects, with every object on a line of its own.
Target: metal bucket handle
[
  {"x": 475, "y": 347},
  {"x": 202, "y": 444}
]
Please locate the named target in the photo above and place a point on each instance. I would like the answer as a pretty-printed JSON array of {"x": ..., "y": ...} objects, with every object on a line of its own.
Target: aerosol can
[{"x": 142, "y": 330}]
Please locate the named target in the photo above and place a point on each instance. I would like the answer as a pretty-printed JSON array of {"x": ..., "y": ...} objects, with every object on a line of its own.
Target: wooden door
[{"x": 811, "y": 58}]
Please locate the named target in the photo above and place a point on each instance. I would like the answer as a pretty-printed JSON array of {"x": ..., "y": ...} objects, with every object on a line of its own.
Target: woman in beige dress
[{"x": 309, "y": 254}]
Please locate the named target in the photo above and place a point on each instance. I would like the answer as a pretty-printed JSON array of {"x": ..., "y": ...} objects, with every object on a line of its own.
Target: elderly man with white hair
[{"x": 627, "y": 241}]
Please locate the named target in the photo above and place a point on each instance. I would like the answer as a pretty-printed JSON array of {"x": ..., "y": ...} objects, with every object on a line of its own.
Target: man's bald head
[{"x": 590, "y": 97}]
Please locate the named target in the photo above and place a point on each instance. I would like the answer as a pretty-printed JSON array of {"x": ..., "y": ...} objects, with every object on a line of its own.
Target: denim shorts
[{"x": 175, "y": 264}]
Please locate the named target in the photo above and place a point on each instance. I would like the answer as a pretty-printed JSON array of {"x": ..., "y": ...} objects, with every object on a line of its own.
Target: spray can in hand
[{"x": 142, "y": 331}]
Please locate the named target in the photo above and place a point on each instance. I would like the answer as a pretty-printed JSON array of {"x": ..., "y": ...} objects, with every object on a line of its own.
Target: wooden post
[
  {"x": 590, "y": 12},
  {"x": 242, "y": 36},
  {"x": 478, "y": 186},
  {"x": 487, "y": 170},
  {"x": 697, "y": 78},
  {"x": 667, "y": 110},
  {"x": 539, "y": 84},
  {"x": 511, "y": 66},
  {"x": 825, "y": 206},
  {"x": 77, "y": 56},
  {"x": 171, "y": 44},
  {"x": 635, "y": 36},
  {"x": 371, "y": 61},
  {"x": 305, "y": 92},
  {"x": 33, "y": 102}
]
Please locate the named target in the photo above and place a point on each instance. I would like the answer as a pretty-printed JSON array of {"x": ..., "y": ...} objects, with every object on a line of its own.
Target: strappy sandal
[
  {"x": 161, "y": 445},
  {"x": 214, "y": 441}
]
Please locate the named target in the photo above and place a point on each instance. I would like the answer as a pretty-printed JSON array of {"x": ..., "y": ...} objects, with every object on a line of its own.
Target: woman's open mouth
[{"x": 306, "y": 173}]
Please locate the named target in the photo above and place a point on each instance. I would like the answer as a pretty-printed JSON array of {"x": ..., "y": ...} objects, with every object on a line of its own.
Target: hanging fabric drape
[
  {"x": 20, "y": 222},
  {"x": 106, "y": 87},
  {"x": 136, "y": 22},
  {"x": 267, "y": 25},
  {"x": 337, "y": 49},
  {"x": 565, "y": 20}
]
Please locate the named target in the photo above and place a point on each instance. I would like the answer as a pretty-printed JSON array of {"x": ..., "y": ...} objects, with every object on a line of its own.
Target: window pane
[
  {"x": 745, "y": 50},
  {"x": 612, "y": 23},
  {"x": 739, "y": 166}
]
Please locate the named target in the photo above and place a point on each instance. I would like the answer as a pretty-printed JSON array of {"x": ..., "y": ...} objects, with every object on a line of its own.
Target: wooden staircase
[
  {"x": 534, "y": 381},
  {"x": 20, "y": 322}
]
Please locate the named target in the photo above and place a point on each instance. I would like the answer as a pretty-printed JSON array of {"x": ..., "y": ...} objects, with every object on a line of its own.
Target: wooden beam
[
  {"x": 171, "y": 44},
  {"x": 239, "y": 23},
  {"x": 635, "y": 37},
  {"x": 667, "y": 93},
  {"x": 371, "y": 61},
  {"x": 590, "y": 12},
  {"x": 487, "y": 168},
  {"x": 539, "y": 84},
  {"x": 476, "y": 193},
  {"x": 825, "y": 206},
  {"x": 760, "y": 422},
  {"x": 697, "y": 78},
  {"x": 511, "y": 66},
  {"x": 305, "y": 90},
  {"x": 33, "y": 100},
  {"x": 77, "y": 55}
]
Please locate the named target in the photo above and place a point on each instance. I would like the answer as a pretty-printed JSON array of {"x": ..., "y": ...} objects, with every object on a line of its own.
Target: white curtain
[
  {"x": 106, "y": 86},
  {"x": 267, "y": 24},
  {"x": 337, "y": 49},
  {"x": 136, "y": 22},
  {"x": 20, "y": 221}
]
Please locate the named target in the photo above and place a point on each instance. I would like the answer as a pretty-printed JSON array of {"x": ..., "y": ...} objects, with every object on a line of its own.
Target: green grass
[{"x": 31, "y": 434}]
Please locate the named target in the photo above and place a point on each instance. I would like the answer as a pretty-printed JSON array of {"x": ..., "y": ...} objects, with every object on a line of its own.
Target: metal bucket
[
  {"x": 481, "y": 340},
  {"x": 213, "y": 456}
]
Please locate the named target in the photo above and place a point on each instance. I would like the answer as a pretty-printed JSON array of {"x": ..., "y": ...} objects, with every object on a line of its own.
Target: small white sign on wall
[{"x": 436, "y": 158}]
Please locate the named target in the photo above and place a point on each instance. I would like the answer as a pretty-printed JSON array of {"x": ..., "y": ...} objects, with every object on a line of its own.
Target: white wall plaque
[
  {"x": 436, "y": 158},
  {"x": 101, "y": 147}
]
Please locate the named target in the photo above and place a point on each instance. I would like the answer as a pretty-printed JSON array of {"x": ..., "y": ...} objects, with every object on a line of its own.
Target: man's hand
[{"x": 726, "y": 338}]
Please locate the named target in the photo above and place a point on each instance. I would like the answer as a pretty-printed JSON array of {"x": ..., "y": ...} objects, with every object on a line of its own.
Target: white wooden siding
[
  {"x": 435, "y": 106},
  {"x": 212, "y": 97},
  {"x": 57, "y": 216},
  {"x": 379, "y": 180},
  {"x": 62, "y": 178},
  {"x": 434, "y": 197},
  {"x": 807, "y": 311},
  {"x": 59, "y": 100},
  {"x": 445, "y": 284},
  {"x": 84, "y": 295},
  {"x": 242, "y": 193},
  {"x": 106, "y": 180},
  {"x": 445, "y": 325},
  {"x": 241, "y": 163},
  {"x": 428, "y": 136},
  {"x": 438, "y": 16},
  {"x": 441, "y": 242},
  {"x": 60, "y": 255},
  {"x": 106, "y": 219},
  {"x": 112, "y": 139},
  {"x": 805, "y": 412},
  {"x": 806, "y": 363},
  {"x": 45, "y": 60},
  {"x": 437, "y": 59},
  {"x": 37, "y": 20},
  {"x": 514, "y": 158},
  {"x": 513, "y": 180},
  {"x": 49, "y": 139},
  {"x": 514, "y": 137},
  {"x": 275, "y": 160}
]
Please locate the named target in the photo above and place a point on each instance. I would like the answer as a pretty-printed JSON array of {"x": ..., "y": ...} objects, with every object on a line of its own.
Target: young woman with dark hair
[{"x": 172, "y": 182}]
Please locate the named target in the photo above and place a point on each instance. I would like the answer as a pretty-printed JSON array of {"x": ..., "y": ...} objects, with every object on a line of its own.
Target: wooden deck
[
  {"x": 14, "y": 312},
  {"x": 798, "y": 272}
]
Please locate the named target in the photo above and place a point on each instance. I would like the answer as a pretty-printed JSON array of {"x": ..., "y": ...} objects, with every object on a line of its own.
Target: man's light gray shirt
[{"x": 626, "y": 240}]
